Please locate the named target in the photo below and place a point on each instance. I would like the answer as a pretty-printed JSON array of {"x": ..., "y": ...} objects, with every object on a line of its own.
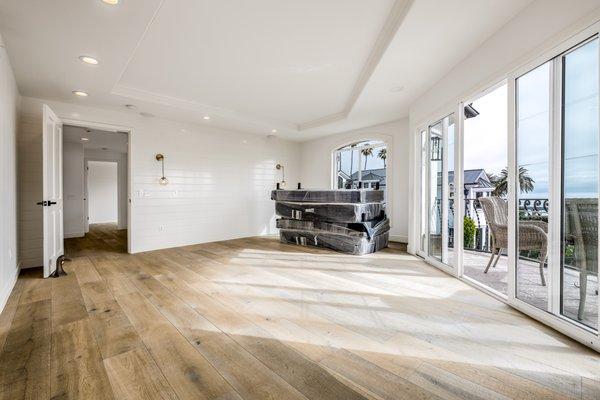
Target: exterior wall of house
[{"x": 220, "y": 181}]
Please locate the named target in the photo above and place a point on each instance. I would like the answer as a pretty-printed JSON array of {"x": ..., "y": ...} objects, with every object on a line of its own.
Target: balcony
[{"x": 530, "y": 290}]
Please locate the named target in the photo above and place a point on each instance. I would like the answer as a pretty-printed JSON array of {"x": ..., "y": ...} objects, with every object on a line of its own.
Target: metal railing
[{"x": 528, "y": 209}]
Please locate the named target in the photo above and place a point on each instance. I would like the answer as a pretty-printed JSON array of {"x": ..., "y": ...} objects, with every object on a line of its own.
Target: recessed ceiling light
[
  {"x": 396, "y": 89},
  {"x": 146, "y": 114},
  {"x": 206, "y": 117},
  {"x": 111, "y": 2},
  {"x": 130, "y": 106},
  {"x": 84, "y": 139},
  {"x": 274, "y": 131},
  {"x": 80, "y": 93},
  {"x": 88, "y": 60}
]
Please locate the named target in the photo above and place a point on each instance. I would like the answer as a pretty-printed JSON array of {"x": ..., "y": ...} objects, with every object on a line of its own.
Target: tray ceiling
[{"x": 305, "y": 68}]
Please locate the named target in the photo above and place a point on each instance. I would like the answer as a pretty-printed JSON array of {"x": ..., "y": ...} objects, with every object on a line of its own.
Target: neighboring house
[
  {"x": 342, "y": 179},
  {"x": 370, "y": 177},
  {"x": 476, "y": 184}
]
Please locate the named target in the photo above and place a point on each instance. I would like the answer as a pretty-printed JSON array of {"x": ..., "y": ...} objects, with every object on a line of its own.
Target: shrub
[{"x": 469, "y": 230}]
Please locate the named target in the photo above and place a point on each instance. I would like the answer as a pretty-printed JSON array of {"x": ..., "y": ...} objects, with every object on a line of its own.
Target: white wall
[
  {"x": 122, "y": 180},
  {"x": 538, "y": 28},
  {"x": 102, "y": 192},
  {"x": 9, "y": 104},
  {"x": 316, "y": 167},
  {"x": 73, "y": 214},
  {"x": 220, "y": 180}
]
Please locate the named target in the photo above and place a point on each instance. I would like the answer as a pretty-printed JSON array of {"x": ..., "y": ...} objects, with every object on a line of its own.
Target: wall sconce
[
  {"x": 279, "y": 166},
  {"x": 163, "y": 180}
]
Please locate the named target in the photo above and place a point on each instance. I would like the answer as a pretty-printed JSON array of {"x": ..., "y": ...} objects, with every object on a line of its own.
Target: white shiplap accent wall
[
  {"x": 220, "y": 181},
  {"x": 9, "y": 102},
  {"x": 31, "y": 246}
]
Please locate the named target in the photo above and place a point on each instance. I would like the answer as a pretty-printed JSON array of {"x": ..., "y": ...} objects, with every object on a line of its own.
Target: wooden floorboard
[{"x": 256, "y": 319}]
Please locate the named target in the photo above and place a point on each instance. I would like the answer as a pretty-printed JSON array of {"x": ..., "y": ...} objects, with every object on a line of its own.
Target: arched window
[{"x": 362, "y": 164}]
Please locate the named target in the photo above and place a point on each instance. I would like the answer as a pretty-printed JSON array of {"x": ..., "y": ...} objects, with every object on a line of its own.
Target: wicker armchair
[
  {"x": 581, "y": 230},
  {"x": 533, "y": 235}
]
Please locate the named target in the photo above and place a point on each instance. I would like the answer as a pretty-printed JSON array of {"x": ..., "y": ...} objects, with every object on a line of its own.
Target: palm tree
[
  {"x": 383, "y": 155},
  {"x": 366, "y": 153},
  {"x": 501, "y": 182}
]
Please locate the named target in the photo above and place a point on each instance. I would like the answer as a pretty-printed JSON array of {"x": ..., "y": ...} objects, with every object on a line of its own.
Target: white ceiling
[
  {"x": 97, "y": 139},
  {"x": 306, "y": 68}
]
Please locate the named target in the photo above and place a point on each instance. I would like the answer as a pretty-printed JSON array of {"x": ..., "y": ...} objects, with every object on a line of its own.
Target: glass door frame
[
  {"x": 551, "y": 317},
  {"x": 424, "y": 191}
]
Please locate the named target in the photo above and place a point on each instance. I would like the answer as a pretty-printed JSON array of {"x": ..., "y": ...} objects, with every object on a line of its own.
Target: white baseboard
[
  {"x": 7, "y": 289},
  {"x": 399, "y": 238},
  {"x": 74, "y": 235}
]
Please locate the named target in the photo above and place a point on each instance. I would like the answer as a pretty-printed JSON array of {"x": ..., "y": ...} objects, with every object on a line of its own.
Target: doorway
[
  {"x": 95, "y": 187},
  {"x": 102, "y": 192}
]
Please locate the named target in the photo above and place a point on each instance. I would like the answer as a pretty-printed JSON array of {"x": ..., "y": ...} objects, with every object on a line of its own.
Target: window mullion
[{"x": 555, "y": 204}]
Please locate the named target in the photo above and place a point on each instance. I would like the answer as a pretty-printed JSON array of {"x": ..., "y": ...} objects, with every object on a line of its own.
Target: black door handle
[{"x": 45, "y": 203}]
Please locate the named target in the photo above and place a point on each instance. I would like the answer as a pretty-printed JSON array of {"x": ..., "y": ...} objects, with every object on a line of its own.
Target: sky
[
  {"x": 486, "y": 135},
  {"x": 373, "y": 162}
]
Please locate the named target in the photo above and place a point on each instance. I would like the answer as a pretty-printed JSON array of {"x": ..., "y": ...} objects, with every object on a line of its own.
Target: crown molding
[
  {"x": 393, "y": 22},
  {"x": 206, "y": 109}
]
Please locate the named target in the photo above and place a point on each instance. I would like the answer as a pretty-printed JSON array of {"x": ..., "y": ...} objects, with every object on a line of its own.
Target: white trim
[
  {"x": 69, "y": 235},
  {"x": 555, "y": 187},
  {"x": 393, "y": 22},
  {"x": 459, "y": 197},
  {"x": 511, "y": 126},
  {"x": 387, "y": 141},
  {"x": 8, "y": 288},
  {"x": 399, "y": 238}
]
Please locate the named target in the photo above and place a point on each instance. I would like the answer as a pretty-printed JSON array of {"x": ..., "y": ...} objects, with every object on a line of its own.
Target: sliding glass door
[
  {"x": 526, "y": 154},
  {"x": 533, "y": 123},
  {"x": 555, "y": 184},
  {"x": 579, "y": 196},
  {"x": 437, "y": 168}
]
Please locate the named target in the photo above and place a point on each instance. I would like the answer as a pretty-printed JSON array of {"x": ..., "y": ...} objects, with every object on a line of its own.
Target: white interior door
[{"x": 52, "y": 190}]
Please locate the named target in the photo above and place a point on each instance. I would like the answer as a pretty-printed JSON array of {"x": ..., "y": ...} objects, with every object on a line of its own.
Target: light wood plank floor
[{"x": 256, "y": 319}]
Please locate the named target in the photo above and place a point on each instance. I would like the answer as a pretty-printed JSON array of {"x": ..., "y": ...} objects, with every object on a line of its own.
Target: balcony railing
[{"x": 528, "y": 209}]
